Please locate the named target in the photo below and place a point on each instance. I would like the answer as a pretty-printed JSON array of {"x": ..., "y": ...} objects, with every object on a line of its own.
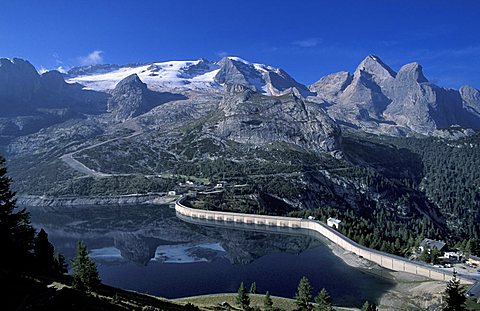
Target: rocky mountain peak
[
  {"x": 131, "y": 97},
  {"x": 128, "y": 98},
  {"x": 237, "y": 71},
  {"x": 258, "y": 77},
  {"x": 471, "y": 99},
  {"x": 131, "y": 81},
  {"x": 413, "y": 72},
  {"x": 19, "y": 80},
  {"x": 332, "y": 85},
  {"x": 52, "y": 80},
  {"x": 374, "y": 66},
  {"x": 468, "y": 91}
]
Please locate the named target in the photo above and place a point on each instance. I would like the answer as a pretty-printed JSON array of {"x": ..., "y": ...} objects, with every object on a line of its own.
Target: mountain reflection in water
[{"x": 148, "y": 249}]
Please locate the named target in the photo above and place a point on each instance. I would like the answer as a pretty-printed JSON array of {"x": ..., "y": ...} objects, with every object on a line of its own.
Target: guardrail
[{"x": 385, "y": 260}]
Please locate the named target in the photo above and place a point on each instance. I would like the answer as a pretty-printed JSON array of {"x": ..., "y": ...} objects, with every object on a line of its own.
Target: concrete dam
[{"x": 292, "y": 225}]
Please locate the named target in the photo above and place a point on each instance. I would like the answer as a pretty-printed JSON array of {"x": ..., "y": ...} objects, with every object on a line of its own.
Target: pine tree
[
  {"x": 61, "y": 266},
  {"x": 303, "y": 295},
  {"x": 324, "y": 301},
  {"x": 253, "y": 288},
  {"x": 454, "y": 295},
  {"x": 16, "y": 232},
  {"x": 43, "y": 252},
  {"x": 267, "y": 302},
  {"x": 242, "y": 298},
  {"x": 369, "y": 306},
  {"x": 85, "y": 274}
]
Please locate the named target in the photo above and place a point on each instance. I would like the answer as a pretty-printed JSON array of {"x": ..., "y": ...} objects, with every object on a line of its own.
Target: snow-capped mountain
[
  {"x": 373, "y": 98},
  {"x": 198, "y": 75}
]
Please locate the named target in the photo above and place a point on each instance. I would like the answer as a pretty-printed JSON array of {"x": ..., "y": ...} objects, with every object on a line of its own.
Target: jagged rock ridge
[{"x": 377, "y": 99}]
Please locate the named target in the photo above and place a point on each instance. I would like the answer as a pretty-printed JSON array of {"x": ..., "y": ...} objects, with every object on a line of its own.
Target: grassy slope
[{"x": 208, "y": 301}]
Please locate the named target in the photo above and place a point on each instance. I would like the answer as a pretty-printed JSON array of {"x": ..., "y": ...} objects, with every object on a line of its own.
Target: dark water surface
[{"x": 148, "y": 249}]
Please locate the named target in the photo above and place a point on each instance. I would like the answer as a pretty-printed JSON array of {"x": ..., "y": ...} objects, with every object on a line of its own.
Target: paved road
[{"x": 82, "y": 168}]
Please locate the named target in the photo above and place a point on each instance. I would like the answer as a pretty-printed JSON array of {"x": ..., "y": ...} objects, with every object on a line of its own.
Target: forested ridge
[{"x": 403, "y": 190}]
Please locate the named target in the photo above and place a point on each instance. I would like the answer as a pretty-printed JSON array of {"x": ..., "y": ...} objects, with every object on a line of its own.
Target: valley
[{"x": 246, "y": 137}]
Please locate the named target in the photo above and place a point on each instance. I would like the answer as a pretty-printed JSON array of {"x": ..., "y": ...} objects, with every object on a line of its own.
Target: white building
[
  {"x": 333, "y": 222},
  {"x": 456, "y": 255},
  {"x": 172, "y": 193}
]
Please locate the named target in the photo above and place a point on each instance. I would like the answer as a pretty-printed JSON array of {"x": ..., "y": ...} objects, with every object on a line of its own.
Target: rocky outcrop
[
  {"x": 131, "y": 98},
  {"x": 23, "y": 91},
  {"x": 255, "y": 119},
  {"x": 420, "y": 105},
  {"x": 31, "y": 101},
  {"x": 471, "y": 99},
  {"x": 18, "y": 83},
  {"x": 329, "y": 87}
]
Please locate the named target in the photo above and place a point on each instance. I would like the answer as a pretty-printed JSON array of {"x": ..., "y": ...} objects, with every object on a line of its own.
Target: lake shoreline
[
  {"x": 79, "y": 201},
  {"x": 410, "y": 291}
]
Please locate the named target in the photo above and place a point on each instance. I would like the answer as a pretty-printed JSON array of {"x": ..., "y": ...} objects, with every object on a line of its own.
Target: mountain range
[
  {"x": 374, "y": 98},
  {"x": 362, "y": 141}
]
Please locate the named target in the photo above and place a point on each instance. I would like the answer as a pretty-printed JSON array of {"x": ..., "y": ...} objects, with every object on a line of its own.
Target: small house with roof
[{"x": 429, "y": 245}]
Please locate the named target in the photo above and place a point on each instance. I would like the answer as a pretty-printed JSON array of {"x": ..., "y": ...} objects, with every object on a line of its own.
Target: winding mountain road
[{"x": 82, "y": 168}]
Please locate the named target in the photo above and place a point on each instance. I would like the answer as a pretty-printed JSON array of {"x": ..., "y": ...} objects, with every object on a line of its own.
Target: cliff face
[
  {"x": 377, "y": 99},
  {"x": 251, "y": 118},
  {"x": 131, "y": 98}
]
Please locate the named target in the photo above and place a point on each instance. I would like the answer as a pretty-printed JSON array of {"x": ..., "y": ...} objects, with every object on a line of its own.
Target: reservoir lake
[{"x": 147, "y": 248}]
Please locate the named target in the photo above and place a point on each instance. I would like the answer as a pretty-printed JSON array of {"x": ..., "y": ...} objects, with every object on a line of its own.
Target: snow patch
[{"x": 184, "y": 253}]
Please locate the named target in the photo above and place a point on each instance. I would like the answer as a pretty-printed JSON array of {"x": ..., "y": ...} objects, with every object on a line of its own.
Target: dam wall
[{"x": 388, "y": 261}]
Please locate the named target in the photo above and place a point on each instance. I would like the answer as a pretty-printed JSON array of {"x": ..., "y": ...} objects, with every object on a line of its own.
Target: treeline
[
  {"x": 304, "y": 299},
  {"x": 451, "y": 179},
  {"x": 28, "y": 256},
  {"x": 378, "y": 228}
]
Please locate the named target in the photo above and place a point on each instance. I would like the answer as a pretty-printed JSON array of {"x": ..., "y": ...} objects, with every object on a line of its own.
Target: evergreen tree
[
  {"x": 425, "y": 255},
  {"x": 44, "y": 253},
  {"x": 61, "y": 266},
  {"x": 303, "y": 295},
  {"x": 454, "y": 295},
  {"x": 369, "y": 306},
  {"x": 242, "y": 298},
  {"x": 253, "y": 288},
  {"x": 324, "y": 301},
  {"x": 85, "y": 274},
  {"x": 16, "y": 232},
  {"x": 434, "y": 254},
  {"x": 267, "y": 302}
]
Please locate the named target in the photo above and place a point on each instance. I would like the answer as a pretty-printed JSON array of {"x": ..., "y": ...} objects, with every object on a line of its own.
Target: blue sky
[{"x": 306, "y": 38}]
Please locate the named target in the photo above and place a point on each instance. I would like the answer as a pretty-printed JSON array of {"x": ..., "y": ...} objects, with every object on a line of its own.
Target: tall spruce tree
[
  {"x": 303, "y": 297},
  {"x": 44, "y": 253},
  {"x": 85, "y": 274},
  {"x": 324, "y": 301},
  {"x": 267, "y": 302},
  {"x": 253, "y": 288},
  {"x": 242, "y": 298},
  {"x": 61, "y": 266},
  {"x": 16, "y": 232},
  {"x": 367, "y": 306},
  {"x": 454, "y": 295}
]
